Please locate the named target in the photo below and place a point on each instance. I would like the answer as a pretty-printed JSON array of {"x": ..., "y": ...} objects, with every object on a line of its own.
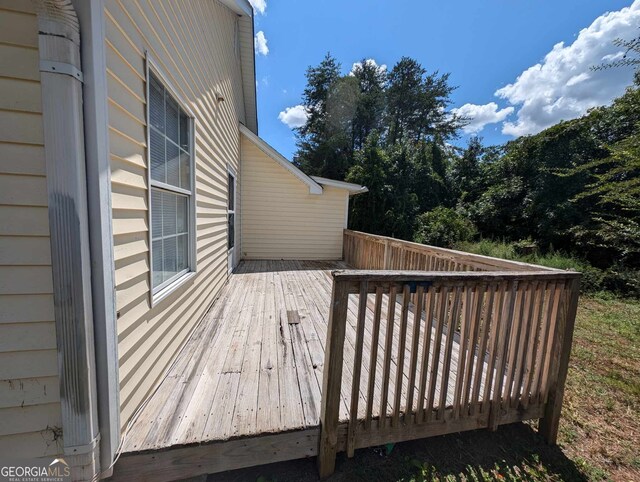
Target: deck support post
[
  {"x": 332, "y": 379},
  {"x": 548, "y": 425}
]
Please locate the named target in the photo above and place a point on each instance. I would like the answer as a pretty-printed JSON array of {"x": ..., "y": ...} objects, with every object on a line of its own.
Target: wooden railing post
[
  {"x": 332, "y": 378},
  {"x": 387, "y": 254},
  {"x": 548, "y": 425}
]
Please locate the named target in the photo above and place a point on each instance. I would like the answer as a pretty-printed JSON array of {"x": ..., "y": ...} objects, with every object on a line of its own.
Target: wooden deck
[
  {"x": 294, "y": 360},
  {"x": 254, "y": 367}
]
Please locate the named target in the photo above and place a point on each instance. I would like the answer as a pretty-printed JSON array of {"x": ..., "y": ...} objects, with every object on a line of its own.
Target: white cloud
[
  {"x": 295, "y": 116},
  {"x": 381, "y": 68},
  {"x": 563, "y": 86},
  {"x": 260, "y": 43},
  {"x": 481, "y": 115},
  {"x": 259, "y": 5}
]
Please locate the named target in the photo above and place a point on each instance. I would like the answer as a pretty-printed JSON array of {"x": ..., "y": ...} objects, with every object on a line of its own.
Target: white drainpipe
[{"x": 63, "y": 123}]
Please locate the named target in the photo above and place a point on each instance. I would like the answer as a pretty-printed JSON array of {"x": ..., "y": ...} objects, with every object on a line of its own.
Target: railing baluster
[
  {"x": 542, "y": 350},
  {"x": 553, "y": 324},
  {"x": 485, "y": 328},
  {"x": 462, "y": 348},
  {"x": 426, "y": 346},
  {"x": 507, "y": 315},
  {"x": 512, "y": 344},
  {"x": 525, "y": 326},
  {"x": 402, "y": 342},
  {"x": 373, "y": 361},
  {"x": 533, "y": 344},
  {"x": 437, "y": 345},
  {"x": 478, "y": 299},
  {"x": 413, "y": 366},
  {"x": 388, "y": 345},
  {"x": 357, "y": 367},
  {"x": 494, "y": 345},
  {"x": 454, "y": 312}
]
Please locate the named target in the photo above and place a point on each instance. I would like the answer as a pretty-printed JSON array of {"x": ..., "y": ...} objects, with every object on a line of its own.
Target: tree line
[{"x": 574, "y": 187}]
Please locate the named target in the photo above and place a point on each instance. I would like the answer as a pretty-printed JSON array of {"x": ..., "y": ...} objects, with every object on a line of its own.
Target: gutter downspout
[
  {"x": 96, "y": 131},
  {"x": 63, "y": 125}
]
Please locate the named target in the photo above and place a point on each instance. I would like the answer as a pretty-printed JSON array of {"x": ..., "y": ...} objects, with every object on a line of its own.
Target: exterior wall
[
  {"x": 281, "y": 219},
  {"x": 30, "y": 416},
  {"x": 194, "y": 44}
]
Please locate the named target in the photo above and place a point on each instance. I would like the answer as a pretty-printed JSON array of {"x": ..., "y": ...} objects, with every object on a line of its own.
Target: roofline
[
  {"x": 352, "y": 188},
  {"x": 241, "y": 7},
  {"x": 314, "y": 187},
  {"x": 247, "y": 53}
]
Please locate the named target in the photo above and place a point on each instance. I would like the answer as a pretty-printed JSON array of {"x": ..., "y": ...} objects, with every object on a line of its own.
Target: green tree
[
  {"x": 417, "y": 103},
  {"x": 443, "y": 227},
  {"x": 466, "y": 172},
  {"x": 370, "y": 103},
  {"x": 316, "y": 141},
  {"x": 371, "y": 211}
]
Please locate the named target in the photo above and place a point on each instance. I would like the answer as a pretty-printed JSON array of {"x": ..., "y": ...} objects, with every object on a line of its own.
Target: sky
[{"x": 519, "y": 65}]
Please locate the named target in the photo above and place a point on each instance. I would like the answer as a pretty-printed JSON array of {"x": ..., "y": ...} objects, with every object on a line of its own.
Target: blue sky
[{"x": 500, "y": 53}]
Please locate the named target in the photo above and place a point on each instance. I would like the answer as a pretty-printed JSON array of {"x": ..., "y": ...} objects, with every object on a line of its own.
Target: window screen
[{"x": 170, "y": 172}]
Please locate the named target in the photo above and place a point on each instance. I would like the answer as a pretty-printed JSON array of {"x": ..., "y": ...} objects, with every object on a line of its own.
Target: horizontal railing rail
[
  {"x": 370, "y": 251},
  {"x": 439, "y": 352}
]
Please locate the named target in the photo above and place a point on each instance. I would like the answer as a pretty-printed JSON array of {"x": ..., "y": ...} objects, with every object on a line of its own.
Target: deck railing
[
  {"x": 370, "y": 251},
  {"x": 438, "y": 350}
]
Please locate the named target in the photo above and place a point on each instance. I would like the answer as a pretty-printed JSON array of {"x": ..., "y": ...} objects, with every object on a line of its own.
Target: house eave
[{"x": 351, "y": 187}]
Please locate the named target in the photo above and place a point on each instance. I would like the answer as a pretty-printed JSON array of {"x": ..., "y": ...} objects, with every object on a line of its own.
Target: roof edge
[
  {"x": 314, "y": 187},
  {"x": 352, "y": 188},
  {"x": 241, "y": 7}
]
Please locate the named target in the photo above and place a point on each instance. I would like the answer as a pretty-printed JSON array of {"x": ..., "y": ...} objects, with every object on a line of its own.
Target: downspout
[
  {"x": 96, "y": 131},
  {"x": 63, "y": 125}
]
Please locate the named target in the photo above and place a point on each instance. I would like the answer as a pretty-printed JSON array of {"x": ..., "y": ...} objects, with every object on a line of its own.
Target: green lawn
[{"x": 599, "y": 432}]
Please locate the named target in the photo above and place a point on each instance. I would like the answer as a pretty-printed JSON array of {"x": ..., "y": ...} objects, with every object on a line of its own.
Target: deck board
[{"x": 254, "y": 365}]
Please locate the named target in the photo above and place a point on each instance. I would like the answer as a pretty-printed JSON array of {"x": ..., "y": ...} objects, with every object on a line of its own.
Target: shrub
[
  {"x": 443, "y": 227},
  {"x": 593, "y": 279}
]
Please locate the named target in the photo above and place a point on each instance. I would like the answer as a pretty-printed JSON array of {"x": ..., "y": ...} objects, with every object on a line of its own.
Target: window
[
  {"x": 231, "y": 210},
  {"x": 170, "y": 164}
]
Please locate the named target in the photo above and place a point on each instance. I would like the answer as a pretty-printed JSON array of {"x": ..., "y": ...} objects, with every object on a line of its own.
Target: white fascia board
[
  {"x": 244, "y": 10},
  {"x": 241, "y": 7},
  {"x": 314, "y": 187},
  {"x": 352, "y": 188}
]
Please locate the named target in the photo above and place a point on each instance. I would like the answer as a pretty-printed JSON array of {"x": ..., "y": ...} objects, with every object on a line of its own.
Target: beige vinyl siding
[
  {"x": 192, "y": 42},
  {"x": 30, "y": 417},
  {"x": 281, "y": 219}
]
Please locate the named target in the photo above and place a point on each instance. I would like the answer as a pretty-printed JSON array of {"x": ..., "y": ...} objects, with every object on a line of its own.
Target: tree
[
  {"x": 466, "y": 172},
  {"x": 443, "y": 227},
  {"x": 631, "y": 57},
  {"x": 315, "y": 141},
  {"x": 611, "y": 197},
  {"x": 417, "y": 103},
  {"x": 370, "y": 104},
  {"x": 370, "y": 211}
]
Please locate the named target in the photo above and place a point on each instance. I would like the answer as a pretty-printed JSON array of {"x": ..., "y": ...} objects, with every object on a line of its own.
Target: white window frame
[
  {"x": 169, "y": 286},
  {"x": 231, "y": 252}
]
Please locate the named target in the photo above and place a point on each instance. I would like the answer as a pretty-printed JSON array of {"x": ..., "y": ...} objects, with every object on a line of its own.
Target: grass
[{"x": 599, "y": 431}]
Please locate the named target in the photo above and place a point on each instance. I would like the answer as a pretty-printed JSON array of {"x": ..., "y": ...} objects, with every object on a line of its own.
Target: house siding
[
  {"x": 193, "y": 43},
  {"x": 30, "y": 415},
  {"x": 281, "y": 219}
]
